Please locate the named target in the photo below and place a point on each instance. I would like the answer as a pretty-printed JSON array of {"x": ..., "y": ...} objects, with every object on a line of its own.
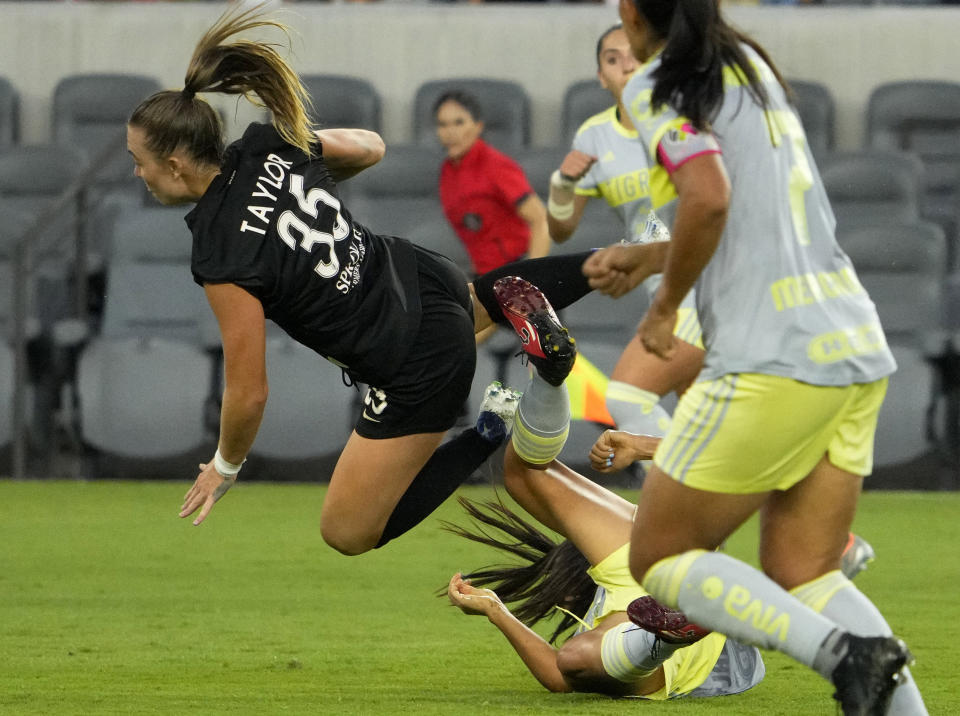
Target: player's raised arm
[
  {"x": 348, "y": 152},
  {"x": 564, "y": 206}
]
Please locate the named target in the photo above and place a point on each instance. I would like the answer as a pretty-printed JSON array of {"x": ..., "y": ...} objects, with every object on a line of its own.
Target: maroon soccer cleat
[
  {"x": 546, "y": 342},
  {"x": 668, "y": 624}
]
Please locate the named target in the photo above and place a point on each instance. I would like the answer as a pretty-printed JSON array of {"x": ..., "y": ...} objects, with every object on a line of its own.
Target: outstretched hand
[
  {"x": 209, "y": 487},
  {"x": 470, "y": 599},
  {"x": 616, "y": 449}
]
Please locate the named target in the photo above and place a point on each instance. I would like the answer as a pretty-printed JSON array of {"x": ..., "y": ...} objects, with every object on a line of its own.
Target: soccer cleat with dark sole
[
  {"x": 546, "y": 342},
  {"x": 668, "y": 624},
  {"x": 868, "y": 673}
]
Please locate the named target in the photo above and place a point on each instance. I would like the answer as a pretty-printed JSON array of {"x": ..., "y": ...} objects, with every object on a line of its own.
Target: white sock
[
  {"x": 636, "y": 410},
  {"x": 543, "y": 422},
  {"x": 721, "y": 593},
  {"x": 629, "y": 653},
  {"x": 836, "y": 597}
]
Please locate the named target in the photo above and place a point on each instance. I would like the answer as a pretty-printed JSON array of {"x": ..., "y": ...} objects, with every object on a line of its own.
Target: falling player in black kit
[{"x": 271, "y": 239}]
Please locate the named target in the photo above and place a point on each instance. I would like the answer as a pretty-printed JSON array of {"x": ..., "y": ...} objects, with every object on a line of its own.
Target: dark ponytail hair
[
  {"x": 699, "y": 44},
  {"x": 174, "y": 119},
  {"x": 554, "y": 574}
]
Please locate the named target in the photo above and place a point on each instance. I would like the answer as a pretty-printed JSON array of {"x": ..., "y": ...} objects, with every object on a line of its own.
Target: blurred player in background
[
  {"x": 272, "y": 240},
  {"x": 607, "y": 161}
]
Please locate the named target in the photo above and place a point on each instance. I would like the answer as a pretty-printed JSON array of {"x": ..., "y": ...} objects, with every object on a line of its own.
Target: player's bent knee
[
  {"x": 789, "y": 574},
  {"x": 348, "y": 542},
  {"x": 516, "y": 471}
]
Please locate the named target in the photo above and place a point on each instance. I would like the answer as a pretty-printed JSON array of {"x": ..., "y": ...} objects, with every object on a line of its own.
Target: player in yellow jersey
[
  {"x": 607, "y": 161},
  {"x": 587, "y": 575},
  {"x": 782, "y": 417}
]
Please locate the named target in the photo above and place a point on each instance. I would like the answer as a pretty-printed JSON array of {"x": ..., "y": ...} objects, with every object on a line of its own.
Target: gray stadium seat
[
  {"x": 31, "y": 178},
  {"x": 581, "y": 100},
  {"x": 817, "y": 111},
  {"x": 12, "y": 230},
  {"x": 600, "y": 317},
  {"x": 902, "y": 267},
  {"x": 154, "y": 299},
  {"x": 40, "y": 379},
  {"x": 435, "y": 233},
  {"x": 951, "y": 302},
  {"x": 33, "y": 324},
  {"x": 142, "y": 397},
  {"x": 91, "y": 110},
  {"x": 923, "y": 117},
  {"x": 599, "y": 226},
  {"x": 343, "y": 101},
  {"x": 155, "y": 233},
  {"x": 873, "y": 187},
  {"x": 902, "y": 425},
  {"x": 9, "y": 115},
  {"x": 6, "y": 394},
  {"x": 143, "y": 384},
  {"x": 505, "y": 103},
  {"x": 538, "y": 164},
  {"x": 310, "y": 413},
  {"x": 405, "y": 170},
  {"x": 400, "y": 197}
]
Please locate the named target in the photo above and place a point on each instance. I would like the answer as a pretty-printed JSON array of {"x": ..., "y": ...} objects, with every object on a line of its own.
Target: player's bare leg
[{"x": 367, "y": 483}]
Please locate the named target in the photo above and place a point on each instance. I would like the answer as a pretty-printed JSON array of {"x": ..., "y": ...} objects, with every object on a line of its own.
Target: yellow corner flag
[{"x": 587, "y": 386}]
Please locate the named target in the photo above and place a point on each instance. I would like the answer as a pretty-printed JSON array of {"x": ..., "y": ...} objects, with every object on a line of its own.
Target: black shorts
[{"x": 428, "y": 393}]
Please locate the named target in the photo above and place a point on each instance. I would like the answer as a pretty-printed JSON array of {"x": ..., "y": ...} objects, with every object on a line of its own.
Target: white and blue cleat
[{"x": 497, "y": 412}]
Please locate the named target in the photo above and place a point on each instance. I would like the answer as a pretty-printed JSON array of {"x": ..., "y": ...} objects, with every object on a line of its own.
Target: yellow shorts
[
  {"x": 687, "y": 668},
  {"x": 745, "y": 432}
]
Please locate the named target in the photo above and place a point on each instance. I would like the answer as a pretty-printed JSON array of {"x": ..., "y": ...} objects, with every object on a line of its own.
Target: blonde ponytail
[
  {"x": 175, "y": 120},
  {"x": 253, "y": 69}
]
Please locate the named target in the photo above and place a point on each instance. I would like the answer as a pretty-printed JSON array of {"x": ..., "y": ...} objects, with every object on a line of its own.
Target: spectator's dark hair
[
  {"x": 554, "y": 574},
  {"x": 464, "y": 99},
  {"x": 612, "y": 28},
  {"x": 699, "y": 44},
  {"x": 172, "y": 119}
]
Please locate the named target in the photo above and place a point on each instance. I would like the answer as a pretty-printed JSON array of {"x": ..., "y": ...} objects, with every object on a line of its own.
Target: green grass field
[{"x": 110, "y": 604}]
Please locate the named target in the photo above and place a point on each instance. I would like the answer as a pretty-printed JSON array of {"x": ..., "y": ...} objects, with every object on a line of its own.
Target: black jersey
[{"x": 272, "y": 223}]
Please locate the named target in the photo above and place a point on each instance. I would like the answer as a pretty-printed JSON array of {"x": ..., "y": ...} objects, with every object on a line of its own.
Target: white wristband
[
  {"x": 561, "y": 181},
  {"x": 227, "y": 469},
  {"x": 560, "y": 212}
]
